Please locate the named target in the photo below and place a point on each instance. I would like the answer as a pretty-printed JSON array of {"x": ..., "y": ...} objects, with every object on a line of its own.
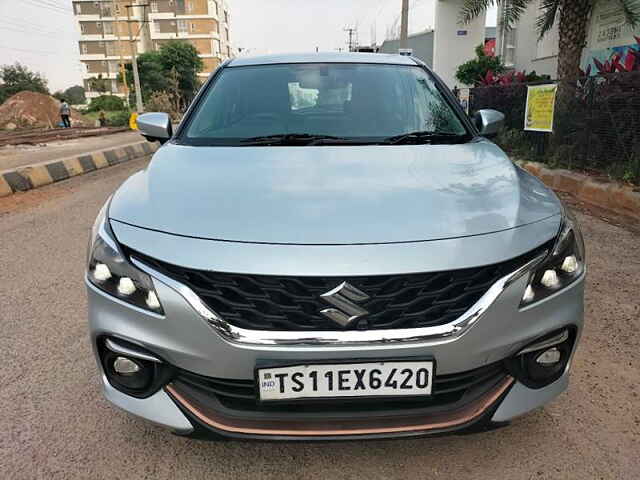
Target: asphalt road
[
  {"x": 55, "y": 423},
  {"x": 19, "y": 155}
]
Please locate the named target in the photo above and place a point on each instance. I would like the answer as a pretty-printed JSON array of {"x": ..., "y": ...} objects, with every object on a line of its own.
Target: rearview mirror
[
  {"x": 488, "y": 122},
  {"x": 155, "y": 126}
]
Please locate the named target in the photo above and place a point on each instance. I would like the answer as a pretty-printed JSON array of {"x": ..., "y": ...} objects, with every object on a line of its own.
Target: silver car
[{"x": 329, "y": 248}]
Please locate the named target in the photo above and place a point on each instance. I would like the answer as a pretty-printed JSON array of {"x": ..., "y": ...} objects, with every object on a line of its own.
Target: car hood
[{"x": 332, "y": 195}]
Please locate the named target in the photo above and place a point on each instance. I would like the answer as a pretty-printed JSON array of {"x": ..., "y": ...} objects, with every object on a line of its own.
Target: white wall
[
  {"x": 531, "y": 54},
  {"x": 451, "y": 47}
]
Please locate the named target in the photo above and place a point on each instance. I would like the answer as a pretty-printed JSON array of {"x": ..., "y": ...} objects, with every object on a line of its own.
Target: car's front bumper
[
  {"x": 509, "y": 400},
  {"x": 183, "y": 339}
]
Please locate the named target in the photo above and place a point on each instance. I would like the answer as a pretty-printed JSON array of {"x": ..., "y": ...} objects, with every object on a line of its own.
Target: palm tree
[{"x": 573, "y": 16}]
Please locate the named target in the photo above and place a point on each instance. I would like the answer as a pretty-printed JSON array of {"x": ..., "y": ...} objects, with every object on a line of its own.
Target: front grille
[
  {"x": 265, "y": 302},
  {"x": 449, "y": 391}
]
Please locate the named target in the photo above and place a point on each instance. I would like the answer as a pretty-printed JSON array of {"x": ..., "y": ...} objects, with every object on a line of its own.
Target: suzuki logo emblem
[{"x": 343, "y": 297}]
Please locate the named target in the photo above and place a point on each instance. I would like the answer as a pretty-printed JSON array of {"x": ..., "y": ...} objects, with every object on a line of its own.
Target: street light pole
[
  {"x": 123, "y": 71},
  {"x": 404, "y": 25},
  {"x": 134, "y": 62}
]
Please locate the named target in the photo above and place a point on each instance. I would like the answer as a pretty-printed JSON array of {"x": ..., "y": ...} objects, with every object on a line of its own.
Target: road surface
[
  {"x": 13, "y": 156},
  {"x": 56, "y": 425}
]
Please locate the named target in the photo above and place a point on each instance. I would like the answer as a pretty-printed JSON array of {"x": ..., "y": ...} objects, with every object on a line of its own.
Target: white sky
[{"x": 43, "y": 35}]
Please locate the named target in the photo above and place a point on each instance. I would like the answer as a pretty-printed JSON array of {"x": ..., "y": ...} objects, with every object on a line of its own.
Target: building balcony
[
  {"x": 88, "y": 17},
  {"x": 106, "y": 18},
  {"x": 195, "y": 15},
  {"x": 105, "y": 75},
  {"x": 116, "y": 57},
  {"x": 219, "y": 56},
  {"x": 93, "y": 56},
  {"x": 91, "y": 94},
  {"x": 105, "y": 37},
  {"x": 93, "y": 37},
  {"x": 182, "y": 35},
  {"x": 173, "y": 15}
]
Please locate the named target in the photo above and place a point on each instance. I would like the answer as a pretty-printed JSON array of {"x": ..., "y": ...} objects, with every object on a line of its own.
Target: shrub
[
  {"x": 108, "y": 103},
  {"x": 516, "y": 143},
  {"x": 471, "y": 72},
  {"x": 596, "y": 124},
  {"x": 164, "y": 102},
  {"x": 159, "y": 102},
  {"x": 118, "y": 119}
]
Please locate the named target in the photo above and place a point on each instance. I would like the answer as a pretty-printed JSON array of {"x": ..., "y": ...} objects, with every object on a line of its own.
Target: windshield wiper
[
  {"x": 426, "y": 137},
  {"x": 303, "y": 139}
]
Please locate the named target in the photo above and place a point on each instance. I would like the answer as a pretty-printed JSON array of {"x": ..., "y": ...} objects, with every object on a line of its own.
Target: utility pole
[
  {"x": 352, "y": 32},
  {"x": 404, "y": 25},
  {"x": 134, "y": 62},
  {"x": 123, "y": 71}
]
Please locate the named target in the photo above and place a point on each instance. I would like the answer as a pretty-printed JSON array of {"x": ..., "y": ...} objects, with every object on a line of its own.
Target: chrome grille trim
[{"x": 439, "y": 333}]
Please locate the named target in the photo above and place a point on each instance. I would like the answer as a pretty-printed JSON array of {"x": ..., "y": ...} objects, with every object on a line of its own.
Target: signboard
[
  {"x": 462, "y": 33},
  {"x": 609, "y": 36},
  {"x": 133, "y": 121},
  {"x": 541, "y": 101},
  {"x": 608, "y": 26},
  {"x": 463, "y": 96}
]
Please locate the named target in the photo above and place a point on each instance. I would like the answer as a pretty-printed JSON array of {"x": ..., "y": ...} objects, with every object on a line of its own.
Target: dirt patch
[
  {"x": 35, "y": 110},
  {"x": 612, "y": 218}
]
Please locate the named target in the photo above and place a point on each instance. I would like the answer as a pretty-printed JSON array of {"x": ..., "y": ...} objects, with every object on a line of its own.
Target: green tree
[
  {"x": 472, "y": 71},
  {"x": 75, "y": 95},
  {"x": 99, "y": 84},
  {"x": 17, "y": 78},
  {"x": 174, "y": 59},
  {"x": 183, "y": 57},
  {"x": 153, "y": 77},
  {"x": 572, "y": 15},
  {"x": 108, "y": 103}
]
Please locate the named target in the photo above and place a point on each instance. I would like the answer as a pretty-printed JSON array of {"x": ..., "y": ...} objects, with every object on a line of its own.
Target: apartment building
[{"x": 104, "y": 34}]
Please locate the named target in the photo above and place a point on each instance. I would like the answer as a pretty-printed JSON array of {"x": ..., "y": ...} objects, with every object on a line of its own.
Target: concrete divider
[
  {"x": 614, "y": 196},
  {"x": 21, "y": 179}
]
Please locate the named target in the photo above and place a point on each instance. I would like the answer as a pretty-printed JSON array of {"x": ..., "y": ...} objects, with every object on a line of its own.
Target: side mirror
[
  {"x": 155, "y": 126},
  {"x": 488, "y": 122}
]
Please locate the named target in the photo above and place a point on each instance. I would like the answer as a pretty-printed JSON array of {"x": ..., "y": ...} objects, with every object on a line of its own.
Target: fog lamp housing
[
  {"x": 131, "y": 369},
  {"x": 543, "y": 361},
  {"x": 551, "y": 356},
  {"x": 125, "y": 366},
  {"x": 120, "y": 372}
]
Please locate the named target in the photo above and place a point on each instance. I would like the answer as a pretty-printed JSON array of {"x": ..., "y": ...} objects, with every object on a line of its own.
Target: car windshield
[{"x": 315, "y": 104}]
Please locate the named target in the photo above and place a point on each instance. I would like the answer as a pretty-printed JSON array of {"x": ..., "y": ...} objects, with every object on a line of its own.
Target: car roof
[{"x": 323, "y": 57}]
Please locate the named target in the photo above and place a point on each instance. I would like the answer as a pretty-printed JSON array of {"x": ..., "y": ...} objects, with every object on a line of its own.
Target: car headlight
[
  {"x": 563, "y": 266},
  {"x": 111, "y": 272}
]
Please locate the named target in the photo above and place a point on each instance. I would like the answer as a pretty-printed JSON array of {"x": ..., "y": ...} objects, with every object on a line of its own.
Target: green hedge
[
  {"x": 118, "y": 119},
  {"x": 108, "y": 103}
]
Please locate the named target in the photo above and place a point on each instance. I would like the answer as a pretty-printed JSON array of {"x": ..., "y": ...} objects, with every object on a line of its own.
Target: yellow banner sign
[
  {"x": 133, "y": 121},
  {"x": 541, "y": 101}
]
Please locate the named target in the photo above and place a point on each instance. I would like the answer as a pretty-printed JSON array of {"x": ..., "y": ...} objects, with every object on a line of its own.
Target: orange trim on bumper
[{"x": 371, "y": 426}]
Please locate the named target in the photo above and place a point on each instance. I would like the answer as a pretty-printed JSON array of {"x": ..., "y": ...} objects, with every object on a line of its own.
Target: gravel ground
[{"x": 55, "y": 423}]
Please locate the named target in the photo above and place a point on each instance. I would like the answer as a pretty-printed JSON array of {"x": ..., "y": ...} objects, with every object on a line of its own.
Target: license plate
[{"x": 374, "y": 379}]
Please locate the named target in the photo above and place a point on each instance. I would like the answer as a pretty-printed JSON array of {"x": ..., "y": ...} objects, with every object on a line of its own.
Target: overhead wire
[
  {"x": 43, "y": 52},
  {"x": 49, "y": 7},
  {"x": 30, "y": 28}
]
